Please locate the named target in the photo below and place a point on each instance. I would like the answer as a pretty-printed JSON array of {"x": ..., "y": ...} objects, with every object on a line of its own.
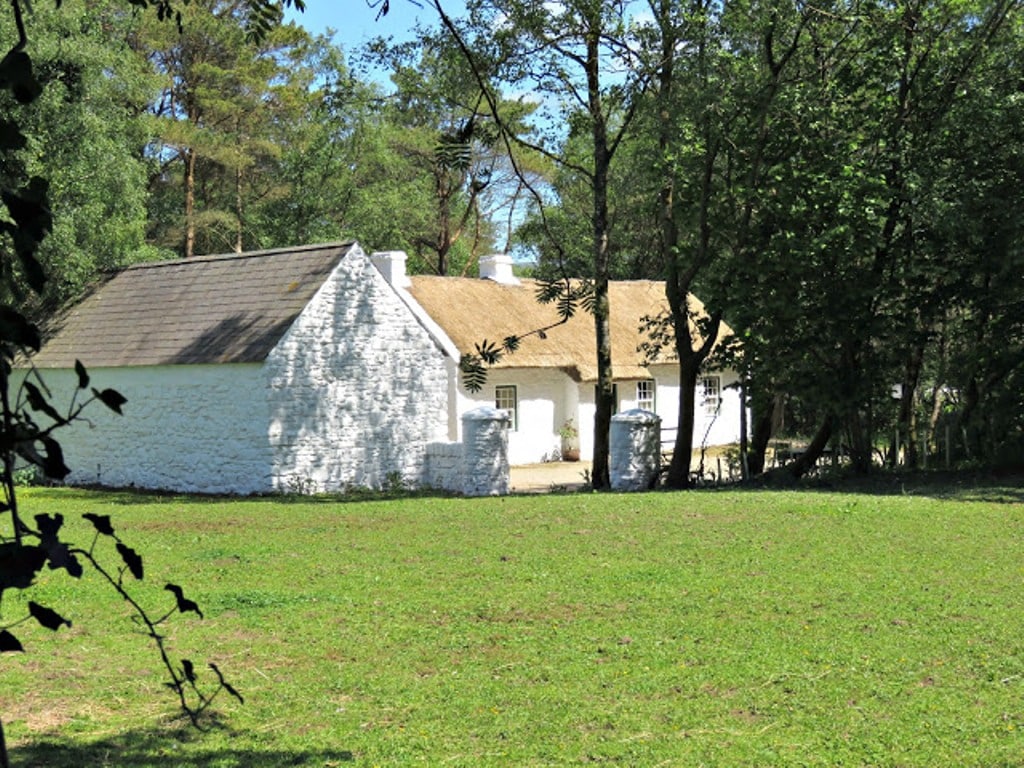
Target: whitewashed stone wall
[
  {"x": 477, "y": 467},
  {"x": 356, "y": 388},
  {"x": 193, "y": 428},
  {"x": 443, "y": 467}
]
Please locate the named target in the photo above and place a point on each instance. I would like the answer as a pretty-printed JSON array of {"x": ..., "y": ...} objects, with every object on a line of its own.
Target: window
[
  {"x": 505, "y": 399},
  {"x": 645, "y": 395},
  {"x": 711, "y": 394}
]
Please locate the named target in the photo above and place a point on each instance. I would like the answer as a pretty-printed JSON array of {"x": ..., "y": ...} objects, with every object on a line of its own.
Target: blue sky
[{"x": 355, "y": 21}]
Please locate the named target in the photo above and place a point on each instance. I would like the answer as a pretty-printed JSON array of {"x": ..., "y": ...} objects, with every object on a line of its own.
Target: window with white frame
[
  {"x": 645, "y": 395},
  {"x": 711, "y": 394},
  {"x": 505, "y": 399}
]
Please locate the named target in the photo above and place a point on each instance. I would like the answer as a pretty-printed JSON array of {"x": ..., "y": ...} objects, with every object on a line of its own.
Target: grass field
[{"x": 715, "y": 628}]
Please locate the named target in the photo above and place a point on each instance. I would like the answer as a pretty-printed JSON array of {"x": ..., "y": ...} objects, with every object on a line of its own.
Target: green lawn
[{"x": 710, "y": 628}]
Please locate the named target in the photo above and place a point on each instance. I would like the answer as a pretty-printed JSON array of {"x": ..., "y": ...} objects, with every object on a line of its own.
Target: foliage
[
  {"x": 734, "y": 628},
  {"x": 28, "y": 418},
  {"x": 226, "y": 98},
  {"x": 82, "y": 135},
  {"x": 841, "y": 183},
  {"x": 452, "y": 138},
  {"x": 575, "y": 56}
]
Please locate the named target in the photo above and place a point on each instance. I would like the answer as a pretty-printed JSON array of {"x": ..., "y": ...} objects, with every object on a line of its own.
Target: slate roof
[
  {"x": 208, "y": 309},
  {"x": 471, "y": 310}
]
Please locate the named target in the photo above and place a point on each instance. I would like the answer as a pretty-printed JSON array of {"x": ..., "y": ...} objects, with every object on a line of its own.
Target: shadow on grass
[
  {"x": 136, "y": 496},
  {"x": 967, "y": 486},
  {"x": 992, "y": 486},
  {"x": 181, "y": 749}
]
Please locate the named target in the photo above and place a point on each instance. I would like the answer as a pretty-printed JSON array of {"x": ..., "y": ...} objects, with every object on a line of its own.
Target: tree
[
  {"x": 223, "y": 94},
  {"x": 447, "y": 132},
  {"x": 577, "y": 55},
  {"x": 82, "y": 134}
]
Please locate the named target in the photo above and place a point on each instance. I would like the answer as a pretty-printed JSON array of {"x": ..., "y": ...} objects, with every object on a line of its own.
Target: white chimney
[
  {"x": 391, "y": 264},
  {"x": 498, "y": 267}
]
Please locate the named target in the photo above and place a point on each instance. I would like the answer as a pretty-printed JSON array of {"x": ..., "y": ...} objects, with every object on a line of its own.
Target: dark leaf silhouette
[
  {"x": 100, "y": 522},
  {"x": 83, "y": 375},
  {"x": 184, "y": 604},
  {"x": 474, "y": 374},
  {"x": 111, "y": 398},
  {"x": 19, "y": 565},
  {"x": 61, "y": 556},
  {"x": 37, "y": 402},
  {"x": 488, "y": 352},
  {"x": 9, "y": 642},
  {"x": 49, "y": 525},
  {"x": 32, "y": 221},
  {"x": 14, "y": 328},
  {"x": 11, "y": 136},
  {"x": 131, "y": 559},
  {"x": 227, "y": 686},
  {"x": 53, "y": 461},
  {"x": 16, "y": 76},
  {"x": 46, "y": 616}
]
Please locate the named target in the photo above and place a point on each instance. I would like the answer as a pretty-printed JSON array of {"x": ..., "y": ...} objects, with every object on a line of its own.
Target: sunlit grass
[{"x": 723, "y": 628}]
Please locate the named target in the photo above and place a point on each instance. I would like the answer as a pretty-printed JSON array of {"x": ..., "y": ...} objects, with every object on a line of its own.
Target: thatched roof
[
  {"x": 209, "y": 309},
  {"x": 471, "y": 311}
]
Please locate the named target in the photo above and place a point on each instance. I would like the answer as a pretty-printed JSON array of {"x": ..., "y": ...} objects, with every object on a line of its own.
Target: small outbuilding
[{"x": 290, "y": 369}]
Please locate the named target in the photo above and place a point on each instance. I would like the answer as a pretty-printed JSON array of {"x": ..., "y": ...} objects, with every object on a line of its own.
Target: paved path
[{"x": 553, "y": 475}]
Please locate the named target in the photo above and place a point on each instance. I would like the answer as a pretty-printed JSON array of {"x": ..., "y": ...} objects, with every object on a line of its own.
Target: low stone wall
[
  {"x": 478, "y": 466},
  {"x": 443, "y": 466}
]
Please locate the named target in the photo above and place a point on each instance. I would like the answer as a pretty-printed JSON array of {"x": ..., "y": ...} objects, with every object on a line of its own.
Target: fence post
[
  {"x": 635, "y": 449},
  {"x": 485, "y": 469}
]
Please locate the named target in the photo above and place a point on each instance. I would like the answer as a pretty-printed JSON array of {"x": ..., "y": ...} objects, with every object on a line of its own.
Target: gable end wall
[{"x": 357, "y": 388}]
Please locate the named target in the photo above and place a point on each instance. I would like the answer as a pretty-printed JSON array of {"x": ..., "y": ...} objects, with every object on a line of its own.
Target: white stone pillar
[
  {"x": 635, "y": 449},
  {"x": 485, "y": 470}
]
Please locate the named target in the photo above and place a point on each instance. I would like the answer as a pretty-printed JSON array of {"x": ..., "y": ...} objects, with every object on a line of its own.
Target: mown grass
[{"x": 719, "y": 628}]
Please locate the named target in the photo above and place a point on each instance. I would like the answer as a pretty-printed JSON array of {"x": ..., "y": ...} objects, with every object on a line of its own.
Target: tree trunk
[
  {"x": 764, "y": 422},
  {"x": 600, "y": 470},
  {"x": 814, "y": 451},
  {"x": 906, "y": 419},
  {"x": 239, "y": 210},
  {"x": 679, "y": 468},
  {"x": 190, "y": 203},
  {"x": 605, "y": 397}
]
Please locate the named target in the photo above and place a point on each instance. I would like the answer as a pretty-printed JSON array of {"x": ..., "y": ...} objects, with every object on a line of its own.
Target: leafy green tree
[
  {"x": 843, "y": 298},
  {"x": 576, "y": 56},
  {"x": 324, "y": 152},
  {"x": 83, "y": 134},
  {"x": 447, "y": 133},
  {"x": 223, "y": 92}
]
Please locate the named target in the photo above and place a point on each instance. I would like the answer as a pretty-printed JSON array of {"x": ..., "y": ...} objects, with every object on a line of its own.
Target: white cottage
[
  {"x": 551, "y": 380},
  {"x": 310, "y": 369},
  {"x": 298, "y": 368}
]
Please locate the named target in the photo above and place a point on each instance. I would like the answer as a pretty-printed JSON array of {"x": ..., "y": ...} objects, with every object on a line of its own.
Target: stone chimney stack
[
  {"x": 498, "y": 267},
  {"x": 391, "y": 264}
]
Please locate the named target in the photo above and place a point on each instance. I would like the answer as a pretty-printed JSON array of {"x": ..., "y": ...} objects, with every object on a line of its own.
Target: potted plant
[{"x": 570, "y": 441}]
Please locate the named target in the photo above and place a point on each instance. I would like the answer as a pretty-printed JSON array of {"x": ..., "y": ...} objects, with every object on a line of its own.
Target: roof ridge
[{"x": 213, "y": 257}]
